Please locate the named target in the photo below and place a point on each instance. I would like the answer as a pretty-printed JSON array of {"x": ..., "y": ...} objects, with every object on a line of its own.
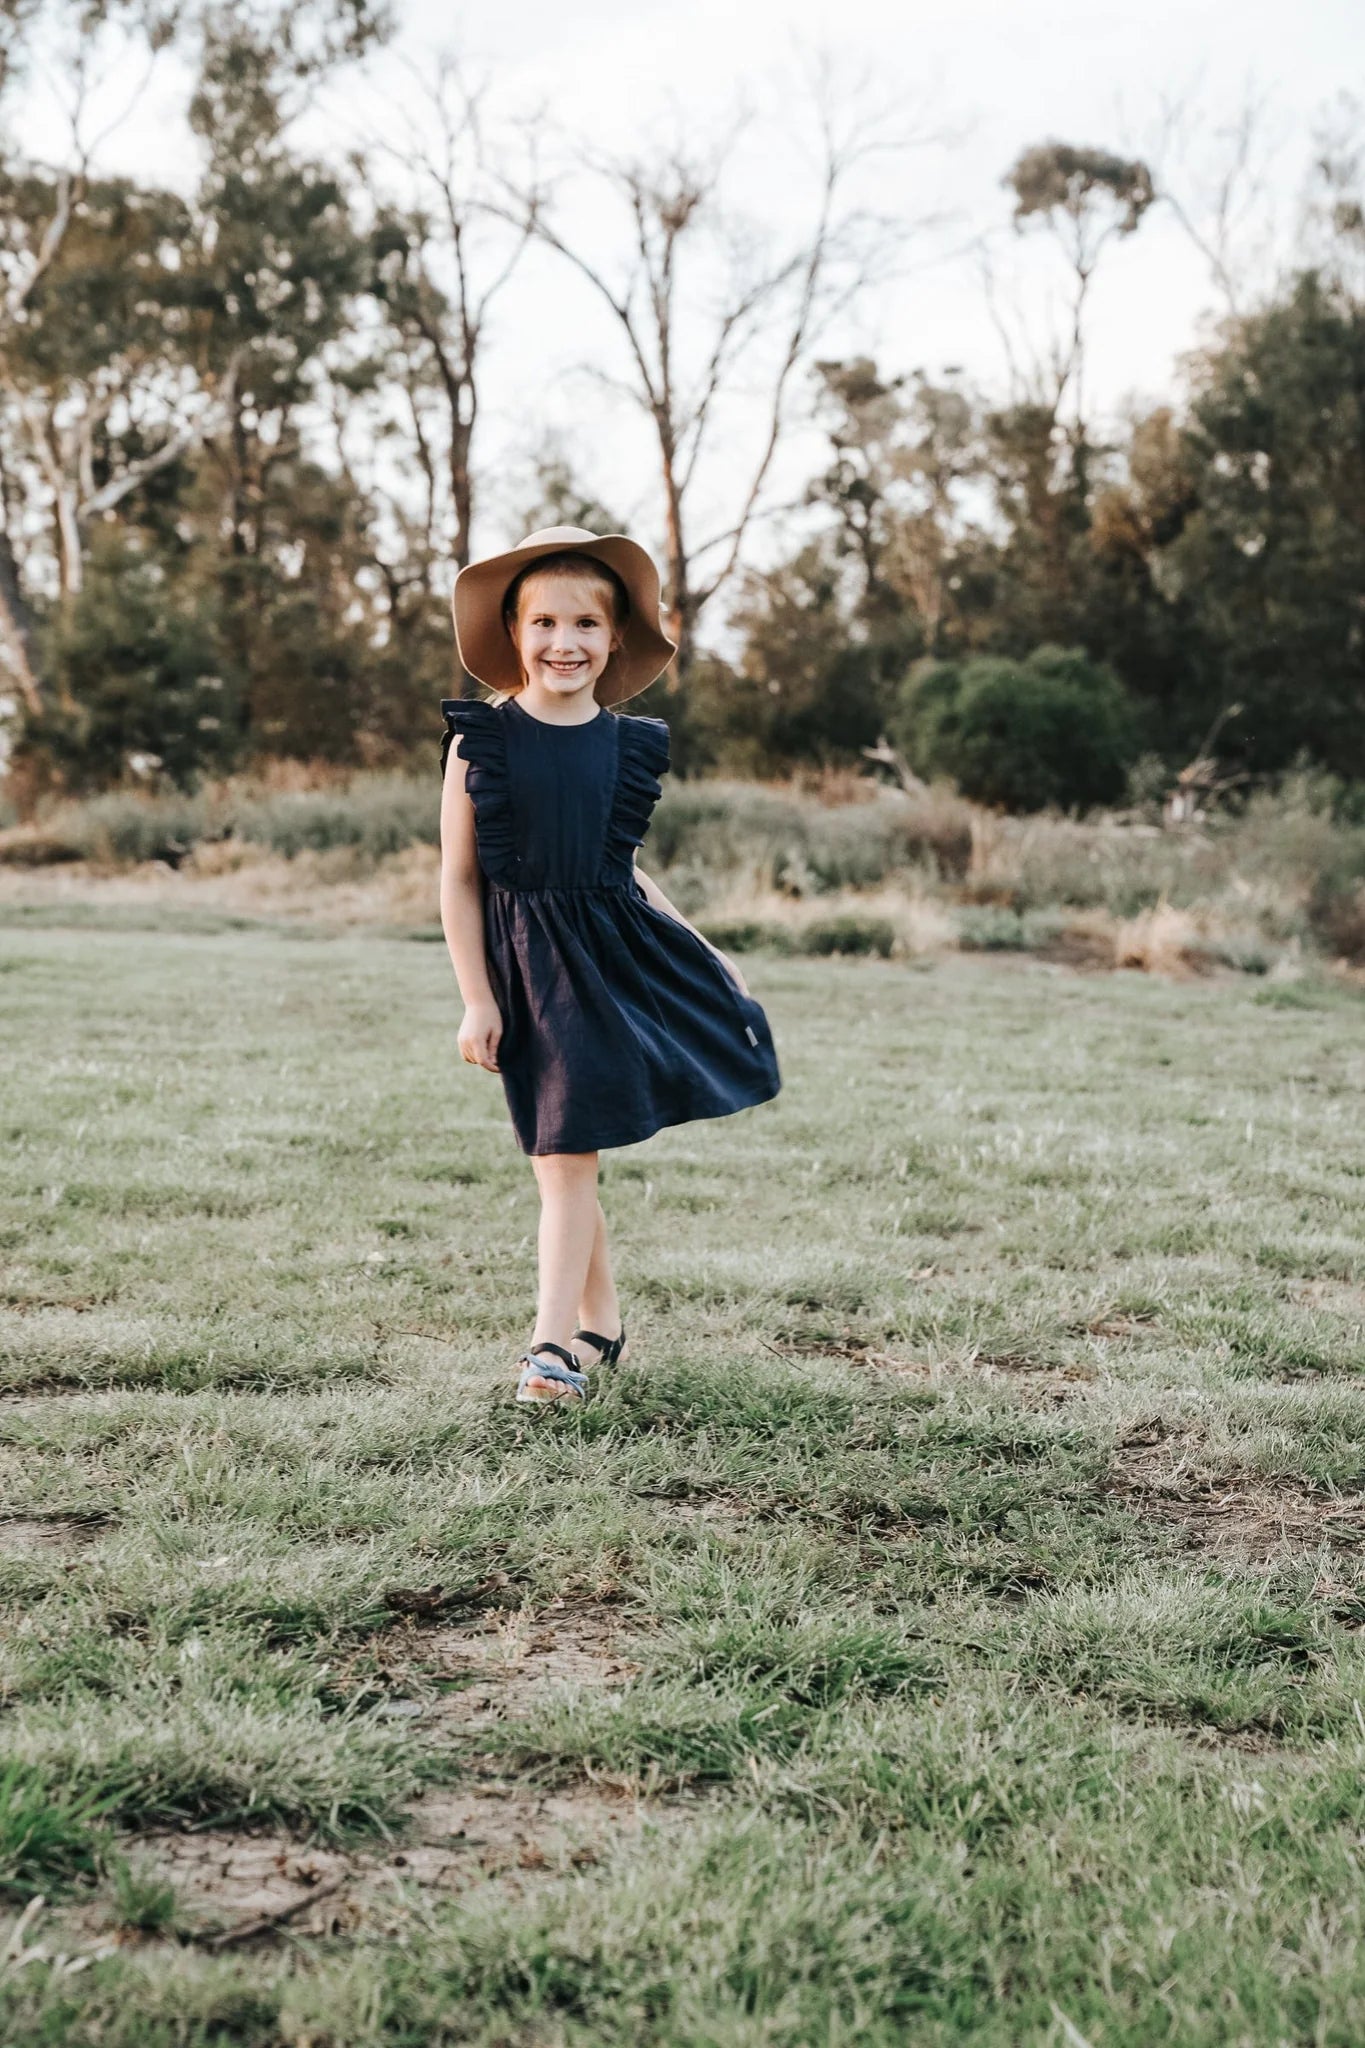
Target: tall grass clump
[
  {"x": 789, "y": 841},
  {"x": 124, "y": 827},
  {"x": 377, "y": 815},
  {"x": 49, "y": 1837}
]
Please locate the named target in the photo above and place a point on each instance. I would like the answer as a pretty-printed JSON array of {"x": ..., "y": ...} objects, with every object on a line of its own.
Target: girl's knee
[{"x": 565, "y": 1169}]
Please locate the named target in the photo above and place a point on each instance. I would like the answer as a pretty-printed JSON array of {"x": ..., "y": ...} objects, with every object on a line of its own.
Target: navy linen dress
[{"x": 617, "y": 1019}]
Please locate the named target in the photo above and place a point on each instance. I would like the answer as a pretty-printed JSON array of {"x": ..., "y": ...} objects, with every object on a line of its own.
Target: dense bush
[{"x": 1056, "y": 729}]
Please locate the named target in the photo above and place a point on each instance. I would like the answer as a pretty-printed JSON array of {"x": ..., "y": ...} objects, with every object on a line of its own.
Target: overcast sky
[{"x": 992, "y": 76}]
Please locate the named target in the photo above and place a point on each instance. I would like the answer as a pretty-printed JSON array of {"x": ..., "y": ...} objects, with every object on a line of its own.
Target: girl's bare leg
[
  {"x": 569, "y": 1210},
  {"x": 599, "y": 1309}
]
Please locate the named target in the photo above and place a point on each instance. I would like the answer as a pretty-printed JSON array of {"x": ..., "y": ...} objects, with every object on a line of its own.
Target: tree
[
  {"x": 98, "y": 397},
  {"x": 903, "y": 449},
  {"x": 830, "y": 632},
  {"x": 279, "y": 267},
  {"x": 1085, "y": 198},
  {"x": 1270, "y": 560},
  {"x": 557, "y": 496},
  {"x": 167, "y": 371},
  {"x": 1030, "y": 573},
  {"x": 440, "y": 264},
  {"x": 38, "y": 206},
  {"x": 701, "y": 301},
  {"x": 808, "y": 686},
  {"x": 141, "y": 330},
  {"x": 1214, "y": 177}
]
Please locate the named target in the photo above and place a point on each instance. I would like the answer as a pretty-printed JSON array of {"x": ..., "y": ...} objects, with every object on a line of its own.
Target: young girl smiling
[{"x": 607, "y": 1015}]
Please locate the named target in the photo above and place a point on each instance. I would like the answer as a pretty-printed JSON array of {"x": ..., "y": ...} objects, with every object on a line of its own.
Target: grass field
[{"x": 948, "y": 1630}]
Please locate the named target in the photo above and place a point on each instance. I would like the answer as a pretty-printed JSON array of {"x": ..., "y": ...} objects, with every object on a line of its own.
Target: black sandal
[{"x": 613, "y": 1349}]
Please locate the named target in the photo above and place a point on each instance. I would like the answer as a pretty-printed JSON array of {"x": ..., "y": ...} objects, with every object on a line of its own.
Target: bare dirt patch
[
  {"x": 499, "y": 1668},
  {"x": 1040, "y": 1382},
  {"x": 33, "y": 1304},
  {"x": 1251, "y": 1517},
  {"x": 35, "y": 1535},
  {"x": 1338, "y": 1297},
  {"x": 232, "y": 1887},
  {"x": 1010, "y": 1363},
  {"x": 853, "y": 1350},
  {"x": 463, "y": 1680}
]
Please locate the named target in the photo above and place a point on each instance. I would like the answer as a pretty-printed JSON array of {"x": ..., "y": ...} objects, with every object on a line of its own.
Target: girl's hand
[
  {"x": 480, "y": 1034},
  {"x": 728, "y": 964}
]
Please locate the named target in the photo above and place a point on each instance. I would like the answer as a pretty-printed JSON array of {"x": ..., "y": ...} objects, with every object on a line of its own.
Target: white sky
[{"x": 1000, "y": 73}]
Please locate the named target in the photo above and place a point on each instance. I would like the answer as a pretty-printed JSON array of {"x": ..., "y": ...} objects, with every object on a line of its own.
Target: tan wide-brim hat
[{"x": 486, "y": 647}]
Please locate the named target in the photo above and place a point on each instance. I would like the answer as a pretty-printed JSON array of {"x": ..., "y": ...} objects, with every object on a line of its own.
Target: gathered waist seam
[{"x": 564, "y": 889}]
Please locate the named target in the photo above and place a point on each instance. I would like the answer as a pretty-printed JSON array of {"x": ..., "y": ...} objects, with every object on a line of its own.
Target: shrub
[
  {"x": 848, "y": 934},
  {"x": 993, "y": 928},
  {"x": 1056, "y": 729},
  {"x": 378, "y": 815},
  {"x": 1338, "y": 917},
  {"x": 746, "y": 935}
]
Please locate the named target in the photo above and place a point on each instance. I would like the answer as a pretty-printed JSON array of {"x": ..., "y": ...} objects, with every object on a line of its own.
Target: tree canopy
[{"x": 239, "y": 460}]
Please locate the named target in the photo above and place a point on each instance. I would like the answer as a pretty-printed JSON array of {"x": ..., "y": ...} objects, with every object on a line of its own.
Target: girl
[{"x": 606, "y": 1013}]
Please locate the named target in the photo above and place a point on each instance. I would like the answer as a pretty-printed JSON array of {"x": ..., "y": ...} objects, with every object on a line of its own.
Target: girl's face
[{"x": 564, "y": 635}]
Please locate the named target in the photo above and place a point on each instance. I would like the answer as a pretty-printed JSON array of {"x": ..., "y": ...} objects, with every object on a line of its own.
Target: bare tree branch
[
  {"x": 450, "y": 279},
  {"x": 183, "y": 442},
  {"x": 771, "y": 307},
  {"x": 1214, "y": 179}
]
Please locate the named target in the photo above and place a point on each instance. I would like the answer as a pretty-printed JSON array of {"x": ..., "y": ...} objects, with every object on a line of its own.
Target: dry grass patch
[
  {"x": 339, "y": 886},
  {"x": 1249, "y": 1518}
]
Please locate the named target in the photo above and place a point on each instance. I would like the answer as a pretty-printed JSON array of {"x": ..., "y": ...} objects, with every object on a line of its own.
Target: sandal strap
[
  {"x": 558, "y": 1350},
  {"x": 610, "y": 1347}
]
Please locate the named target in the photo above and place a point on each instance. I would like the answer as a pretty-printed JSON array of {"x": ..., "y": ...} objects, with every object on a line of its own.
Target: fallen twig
[
  {"x": 427, "y": 1601},
  {"x": 265, "y": 1923}
]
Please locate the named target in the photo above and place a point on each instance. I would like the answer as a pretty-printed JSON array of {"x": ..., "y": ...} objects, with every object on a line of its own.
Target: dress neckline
[{"x": 553, "y": 724}]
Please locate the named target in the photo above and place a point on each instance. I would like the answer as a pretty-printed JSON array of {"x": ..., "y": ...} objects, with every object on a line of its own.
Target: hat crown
[{"x": 560, "y": 535}]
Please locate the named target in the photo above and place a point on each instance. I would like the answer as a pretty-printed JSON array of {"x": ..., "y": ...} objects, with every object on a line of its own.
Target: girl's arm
[
  {"x": 462, "y": 919},
  {"x": 655, "y": 896}
]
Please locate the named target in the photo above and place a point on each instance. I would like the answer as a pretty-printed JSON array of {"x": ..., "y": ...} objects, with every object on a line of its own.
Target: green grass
[{"x": 982, "y": 1518}]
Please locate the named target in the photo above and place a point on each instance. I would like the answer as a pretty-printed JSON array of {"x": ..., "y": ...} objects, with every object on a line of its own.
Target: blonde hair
[{"x": 570, "y": 564}]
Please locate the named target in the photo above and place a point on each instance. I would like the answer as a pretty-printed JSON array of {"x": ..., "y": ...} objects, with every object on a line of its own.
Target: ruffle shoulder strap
[
  {"x": 642, "y": 761},
  {"x": 483, "y": 748}
]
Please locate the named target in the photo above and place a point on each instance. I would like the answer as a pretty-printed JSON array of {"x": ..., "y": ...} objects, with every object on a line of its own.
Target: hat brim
[{"x": 486, "y": 647}]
